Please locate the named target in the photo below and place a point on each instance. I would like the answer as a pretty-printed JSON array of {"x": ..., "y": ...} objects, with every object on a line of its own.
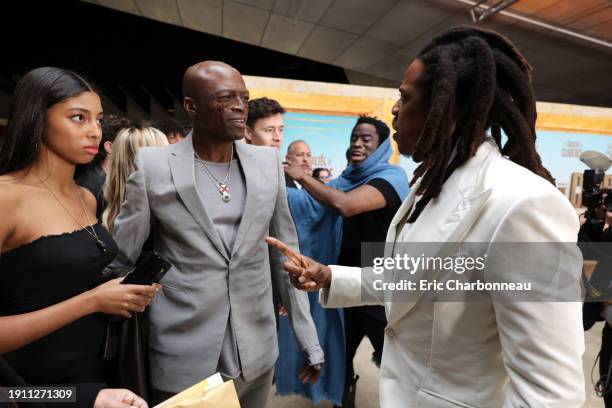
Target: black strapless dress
[{"x": 42, "y": 273}]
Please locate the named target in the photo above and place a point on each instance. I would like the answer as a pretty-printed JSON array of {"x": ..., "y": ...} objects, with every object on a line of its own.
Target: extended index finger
[{"x": 281, "y": 246}]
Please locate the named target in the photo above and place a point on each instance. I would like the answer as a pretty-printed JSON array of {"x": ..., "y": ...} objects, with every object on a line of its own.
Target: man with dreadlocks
[{"x": 469, "y": 188}]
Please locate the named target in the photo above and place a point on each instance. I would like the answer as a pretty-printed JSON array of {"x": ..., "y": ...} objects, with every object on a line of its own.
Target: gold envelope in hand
[
  {"x": 209, "y": 393},
  {"x": 588, "y": 268}
]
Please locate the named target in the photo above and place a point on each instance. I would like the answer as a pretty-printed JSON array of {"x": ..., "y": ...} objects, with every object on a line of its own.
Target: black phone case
[{"x": 150, "y": 269}]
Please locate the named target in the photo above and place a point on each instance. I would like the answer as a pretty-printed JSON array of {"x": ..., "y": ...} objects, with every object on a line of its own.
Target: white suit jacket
[{"x": 453, "y": 354}]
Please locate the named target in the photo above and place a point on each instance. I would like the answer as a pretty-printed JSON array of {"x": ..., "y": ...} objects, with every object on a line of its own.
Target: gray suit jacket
[{"x": 188, "y": 318}]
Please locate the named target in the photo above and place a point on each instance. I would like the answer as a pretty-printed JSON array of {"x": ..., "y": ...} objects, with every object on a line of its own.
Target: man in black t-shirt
[{"x": 367, "y": 212}]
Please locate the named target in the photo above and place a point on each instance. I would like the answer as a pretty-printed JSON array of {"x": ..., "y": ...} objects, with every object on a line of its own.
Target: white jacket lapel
[
  {"x": 401, "y": 212},
  {"x": 448, "y": 218}
]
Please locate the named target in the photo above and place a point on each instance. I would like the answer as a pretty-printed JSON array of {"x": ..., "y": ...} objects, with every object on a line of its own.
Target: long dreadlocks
[{"x": 481, "y": 77}]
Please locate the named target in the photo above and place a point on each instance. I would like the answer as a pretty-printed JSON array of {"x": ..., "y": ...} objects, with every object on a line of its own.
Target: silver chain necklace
[
  {"x": 223, "y": 187},
  {"x": 94, "y": 235}
]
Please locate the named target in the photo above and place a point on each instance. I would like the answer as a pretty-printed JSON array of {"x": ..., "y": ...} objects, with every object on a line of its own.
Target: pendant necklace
[
  {"x": 94, "y": 235},
  {"x": 223, "y": 187}
]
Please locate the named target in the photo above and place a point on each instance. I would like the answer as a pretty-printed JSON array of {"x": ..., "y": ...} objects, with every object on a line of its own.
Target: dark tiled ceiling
[{"x": 380, "y": 37}]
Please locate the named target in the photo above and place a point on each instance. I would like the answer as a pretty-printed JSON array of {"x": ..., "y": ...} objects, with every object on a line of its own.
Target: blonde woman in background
[{"x": 126, "y": 144}]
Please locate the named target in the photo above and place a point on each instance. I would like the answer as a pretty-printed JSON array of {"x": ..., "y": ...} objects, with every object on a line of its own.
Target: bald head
[
  {"x": 204, "y": 73},
  {"x": 216, "y": 99},
  {"x": 299, "y": 151}
]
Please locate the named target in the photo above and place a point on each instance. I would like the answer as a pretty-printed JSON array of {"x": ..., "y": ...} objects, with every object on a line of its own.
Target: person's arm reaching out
[
  {"x": 296, "y": 302},
  {"x": 340, "y": 286},
  {"x": 357, "y": 201},
  {"x": 111, "y": 298}
]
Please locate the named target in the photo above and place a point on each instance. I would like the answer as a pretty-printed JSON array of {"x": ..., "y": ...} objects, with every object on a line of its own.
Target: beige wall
[
  {"x": 340, "y": 99},
  {"x": 325, "y": 98}
]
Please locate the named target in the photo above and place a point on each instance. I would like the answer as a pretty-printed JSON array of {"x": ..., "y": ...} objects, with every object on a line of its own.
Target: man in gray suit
[{"x": 208, "y": 203}]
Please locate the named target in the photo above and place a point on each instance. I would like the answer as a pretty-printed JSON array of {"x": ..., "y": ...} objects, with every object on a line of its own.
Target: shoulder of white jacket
[
  {"x": 512, "y": 183},
  {"x": 505, "y": 174}
]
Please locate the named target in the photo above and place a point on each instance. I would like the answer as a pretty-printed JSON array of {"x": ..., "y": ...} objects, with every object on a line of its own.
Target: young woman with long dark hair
[{"x": 53, "y": 295}]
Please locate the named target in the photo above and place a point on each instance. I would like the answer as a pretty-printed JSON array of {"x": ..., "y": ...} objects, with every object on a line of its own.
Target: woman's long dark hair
[
  {"x": 482, "y": 78},
  {"x": 34, "y": 94}
]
